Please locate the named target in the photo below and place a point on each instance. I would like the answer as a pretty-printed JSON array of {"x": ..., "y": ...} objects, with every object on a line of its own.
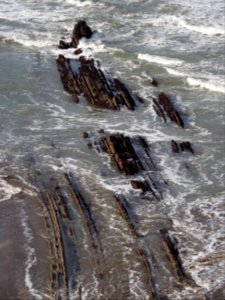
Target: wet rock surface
[
  {"x": 165, "y": 109},
  {"x": 71, "y": 240},
  {"x": 81, "y": 30},
  {"x": 84, "y": 77},
  {"x": 131, "y": 156},
  {"x": 180, "y": 147},
  {"x": 159, "y": 254},
  {"x": 64, "y": 205},
  {"x": 73, "y": 235}
]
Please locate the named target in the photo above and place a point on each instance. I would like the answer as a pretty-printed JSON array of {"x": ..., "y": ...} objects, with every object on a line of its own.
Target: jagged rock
[
  {"x": 175, "y": 147},
  {"x": 165, "y": 109},
  {"x": 172, "y": 252},
  {"x": 128, "y": 153},
  {"x": 186, "y": 146},
  {"x": 127, "y": 214},
  {"x": 67, "y": 78},
  {"x": 84, "y": 77},
  {"x": 131, "y": 156},
  {"x": 183, "y": 146},
  {"x": 81, "y": 29}
]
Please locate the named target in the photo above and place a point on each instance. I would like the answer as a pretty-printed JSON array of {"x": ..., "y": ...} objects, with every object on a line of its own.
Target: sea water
[{"x": 181, "y": 43}]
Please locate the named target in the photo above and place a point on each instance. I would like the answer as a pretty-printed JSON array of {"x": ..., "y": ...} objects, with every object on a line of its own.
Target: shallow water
[{"x": 182, "y": 45}]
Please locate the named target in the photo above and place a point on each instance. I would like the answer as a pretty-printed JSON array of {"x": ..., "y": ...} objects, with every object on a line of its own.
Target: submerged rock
[{"x": 154, "y": 82}]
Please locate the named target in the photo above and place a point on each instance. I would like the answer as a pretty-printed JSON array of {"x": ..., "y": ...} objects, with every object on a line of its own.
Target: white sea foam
[
  {"x": 80, "y": 3},
  {"x": 31, "y": 256},
  {"x": 136, "y": 286},
  {"x": 162, "y": 60},
  {"x": 205, "y": 223},
  {"x": 88, "y": 289},
  {"x": 181, "y": 22},
  {"x": 7, "y": 190},
  {"x": 207, "y": 84},
  {"x": 175, "y": 72},
  {"x": 24, "y": 40},
  {"x": 208, "y": 30}
]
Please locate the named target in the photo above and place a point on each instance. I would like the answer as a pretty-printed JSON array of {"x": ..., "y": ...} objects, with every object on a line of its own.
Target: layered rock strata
[
  {"x": 131, "y": 156},
  {"x": 181, "y": 147},
  {"x": 83, "y": 77},
  {"x": 166, "y": 110}
]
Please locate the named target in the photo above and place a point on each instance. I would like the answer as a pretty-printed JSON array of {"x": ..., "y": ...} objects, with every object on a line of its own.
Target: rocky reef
[{"x": 84, "y": 77}]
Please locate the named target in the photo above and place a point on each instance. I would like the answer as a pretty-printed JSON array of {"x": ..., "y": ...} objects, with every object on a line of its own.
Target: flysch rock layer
[
  {"x": 181, "y": 147},
  {"x": 159, "y": 254},
  {"x": 165, "y": 109},
  {"x": 132, "y": 157},
  {"x": 58, "y": 242},
  {"x": 83, "y": 77}
]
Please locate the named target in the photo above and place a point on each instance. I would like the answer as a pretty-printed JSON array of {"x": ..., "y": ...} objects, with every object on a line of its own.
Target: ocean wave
[
  {"x": 207, "y": 84},
  {"x": 175, "y": 72},
  {"x": 7, "y": 190},
  {"x": 208, "y": 30},
  {"x": 207, "y": 264},
  {"x": 181, "y": 22},
  {"x": 162, "y": 60},
  {"x": 25, "y": 41},
  {"x": 79, "y": 3},
  {"x": 212, "y": 84}
]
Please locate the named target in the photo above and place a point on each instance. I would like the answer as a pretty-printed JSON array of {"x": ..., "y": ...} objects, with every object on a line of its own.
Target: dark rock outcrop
[
  {"x": 173, "y": 255},
  {"x": 128, "y": 153},
  {"x": 64, "y": 45},
  {"x": 186, "y": 146},
  {"x": 127, "y": 214},
  {"x": 154, "y": 82},
  {"x": 183, "y": 146},
  {"x": 84, "y": 77},
  {"x": 131, "y": 156},
  {"x": 81, "y": 29},
  {"x": 165, "y": 109}
]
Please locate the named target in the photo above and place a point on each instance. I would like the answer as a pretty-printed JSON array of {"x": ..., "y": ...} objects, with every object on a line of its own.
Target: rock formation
[
  {"x": 183, "y": 146},
  {"x": 165, "y": 109},
  {"x": 131, "y": 156},
  {"x": 81, "y": 30},
  {"x": 83, "y": 77}
]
